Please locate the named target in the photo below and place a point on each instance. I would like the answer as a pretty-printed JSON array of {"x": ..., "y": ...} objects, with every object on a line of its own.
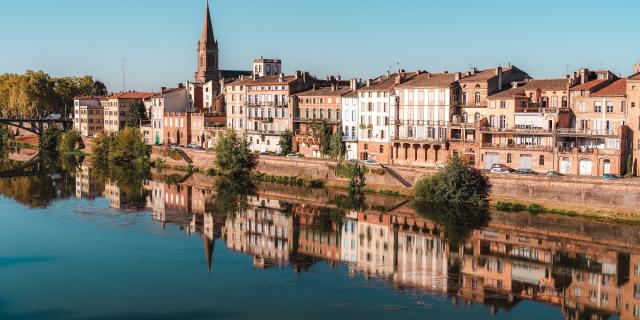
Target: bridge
[{"x": 36, "y": 126}]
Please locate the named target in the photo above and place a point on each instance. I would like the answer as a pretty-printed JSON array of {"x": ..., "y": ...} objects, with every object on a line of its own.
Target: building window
[
  {"x": 366, "y": 146},
  {"x": 508, "y": 157},
  {"x": 609, "y": 107},
  {"x": 503, "y": 104},
  {"x": 541, "y": 161},
  {"x": 476, "y": 117},
  {"x": 623, "y": 106},
  {"x": 597, "y": 107},
  {"x": 381, "y": 149},
  {"x": 464, "y": 98},
  {"x": 477, "y": 98}
]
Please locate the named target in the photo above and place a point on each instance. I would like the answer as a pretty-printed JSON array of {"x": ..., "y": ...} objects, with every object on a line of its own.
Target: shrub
[{"x": 457, "y": 184}]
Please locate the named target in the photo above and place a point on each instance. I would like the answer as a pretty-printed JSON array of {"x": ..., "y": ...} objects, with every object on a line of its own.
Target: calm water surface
[{"x": 73, "y": 245}]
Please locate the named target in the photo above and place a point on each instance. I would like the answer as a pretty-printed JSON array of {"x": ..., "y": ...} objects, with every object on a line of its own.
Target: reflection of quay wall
[{"x": 567, "y": 192}]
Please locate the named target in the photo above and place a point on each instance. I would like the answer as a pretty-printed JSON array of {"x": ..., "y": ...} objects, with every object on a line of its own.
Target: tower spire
[
  {"x": 207, "y": 52},
  {"x": 207, "y": 27}
]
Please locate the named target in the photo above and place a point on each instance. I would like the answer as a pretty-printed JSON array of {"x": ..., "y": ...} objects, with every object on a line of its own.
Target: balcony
[
  {"x": 440, "y": 123},
  {"x": 261, "y": 119},
  {"x": 517, "y": 147},
  {"x": 409, "y": 138},
  {"x": 266, "y": 104},
  {"x": 314, "y": 120},
  {"x": 573, "y": 132},
  {"x": 528, "y": 131},
  {"x": 349, "y": 138},
  {"x": 535, "y": 108},
  {"x": 264, "y": 132}
]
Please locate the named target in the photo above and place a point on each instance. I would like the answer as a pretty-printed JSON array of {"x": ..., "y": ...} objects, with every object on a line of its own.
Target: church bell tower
[{"x": 207, "y": 52}]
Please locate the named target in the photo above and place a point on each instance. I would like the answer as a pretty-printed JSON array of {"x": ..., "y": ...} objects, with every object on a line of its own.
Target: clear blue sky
[{"x": 360, "y": 38}]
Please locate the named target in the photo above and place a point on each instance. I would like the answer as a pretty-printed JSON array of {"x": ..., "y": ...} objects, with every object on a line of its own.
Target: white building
[
  {"x": 350, "y": 116},
  {"x": 168, "y": 100}
]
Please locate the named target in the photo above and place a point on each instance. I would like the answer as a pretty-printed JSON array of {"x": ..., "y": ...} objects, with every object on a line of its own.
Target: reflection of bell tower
[{"x": 207, "y": 52}]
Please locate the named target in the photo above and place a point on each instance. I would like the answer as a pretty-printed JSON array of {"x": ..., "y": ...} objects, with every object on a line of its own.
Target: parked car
[
  {"x": 353, "y": 161},
  {"x": 370, "y": 162},
  {"x": 526, "y": 171},
  {"x": 500, "y": 170},
  {"x": 610, "y": 176},
  {"x": 293, "y": 155},
  {"x": 440, "y": 165},
  {"x": 497, "y": 165},
  {"x": 553, "y": 174}
]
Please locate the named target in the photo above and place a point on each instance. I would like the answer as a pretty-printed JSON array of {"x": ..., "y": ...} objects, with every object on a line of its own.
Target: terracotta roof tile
[
  {"x": 588, "y": 85},
  {"x": 616, "y": 89},
  {"x": 430, "y": 80},
  {"x": 388, "y": 82},
  {"x": 547, "y": 84},
  {"x": 132, "y": 95},
  {"x": 326, "y": 91},
  {"x": 635, "y": 76}
]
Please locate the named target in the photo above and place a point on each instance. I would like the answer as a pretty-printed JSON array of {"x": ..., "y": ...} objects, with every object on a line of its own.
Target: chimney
[
  {"x": 458, "y": 76},
  {"x": 298, "y": 74},
  {"x": 388, "y": 73},
  {"x": 339, "y": 77},
  {"x": 398, "y": 79},
  {"x": 499, "y": 74},
  {"x": 333, "y": 87},
  {"x": 180, "y": 85},
  {"x": 636, "y": 68},
  {"x": 354, "y": 84},
  {"x": 418, "y": 72},
  {"x": 304, "y": 76},
  {"x": 368, "y": 82},
  {"x": 281, "y": 77},
  {"x": 472, "y": 72},
  {"x": 584, "y": 74},
  {"x": 163, "y": 89}
]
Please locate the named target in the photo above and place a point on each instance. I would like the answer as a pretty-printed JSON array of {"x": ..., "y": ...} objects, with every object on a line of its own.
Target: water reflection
[{"x": 588, "y": 270}]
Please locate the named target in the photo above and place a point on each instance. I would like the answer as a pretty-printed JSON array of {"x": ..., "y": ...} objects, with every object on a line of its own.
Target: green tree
[
  {"x": 324, "y": 134},
  {"x": 456, "y": 185},
  {"x": 233, "y": 157},
  {"x": 355, "y": 173},
  {"x": 68, "y": 141},
  {"x": 99, "y": 89},
  {"x": 101, "y": 148},
  {"x": 336, "y": 145},
  {"x": 124, "y": 149},
  {"x": 286, "y": 142},
  {"x": 50, "y": 138},
  {"x": 137, "y": 113}
]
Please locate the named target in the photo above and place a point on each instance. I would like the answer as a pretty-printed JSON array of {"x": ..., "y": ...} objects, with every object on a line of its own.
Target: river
[{"x": 77, "y": 245}]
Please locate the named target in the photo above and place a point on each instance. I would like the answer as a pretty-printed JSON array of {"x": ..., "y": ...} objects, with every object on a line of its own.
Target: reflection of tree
[
  {"x": 231, "y": 196},
  {"x": 457, "y": 222},
  {"x": 352, "y": 201},
  {"x": 129, "y": 182}
]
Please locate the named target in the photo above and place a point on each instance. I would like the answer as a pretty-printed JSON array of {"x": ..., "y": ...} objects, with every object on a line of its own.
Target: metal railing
[
  {"x": 590, "y": 132},
  {"x": 266, "y": 104}
]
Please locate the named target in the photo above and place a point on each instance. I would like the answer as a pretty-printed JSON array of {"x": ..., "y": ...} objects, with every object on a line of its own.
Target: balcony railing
[
  {"x": 516, "y": 130},
  {"x": 535, "y": 109},
  {"x": 260, "y": 118},
  {"x": 349, "y": 138},
  {"x": 266, "y": 103},
  {"x": 586, "y": 132},
  {"x": 404, "y": 137},
  {"x": 419, "y": 122},
  {"x": 263, "y": 132},
  {"x": 315, "y": 120},
  {"x": 517, "y": 147}
]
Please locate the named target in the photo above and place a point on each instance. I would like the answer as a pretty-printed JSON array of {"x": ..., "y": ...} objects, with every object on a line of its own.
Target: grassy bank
[{"x": 600, "y": 215}]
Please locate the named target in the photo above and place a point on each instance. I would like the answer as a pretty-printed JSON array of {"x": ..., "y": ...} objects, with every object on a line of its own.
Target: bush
[
  {"x": 316, "y": 183},
  {"x": 457, "y": 184},
  {"x": 124, "y": 149},
  {"x": 509, "y": 206},
  {"x": 355, "y": 173},
  {"x": 286, "y": 142}
]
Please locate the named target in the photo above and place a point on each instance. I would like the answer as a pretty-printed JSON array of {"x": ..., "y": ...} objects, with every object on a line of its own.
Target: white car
[
  {"x": 500, "y": 170},
  {"x": 440, "y": 165},
  {"x": 370, "y": 162}
]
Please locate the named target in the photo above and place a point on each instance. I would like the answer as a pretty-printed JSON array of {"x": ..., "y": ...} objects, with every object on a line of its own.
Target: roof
[
  {"x": 430, "y": 80},
  {"x": 88, "y": 97},
  {"x": 506, "y": 94},
  {"x": 388, "y": 82},
  {"x": 326, "y": 91},
  {"x": 167, "y": 91},
  {"x": 547, "y": 84},
  {"x": 635, "y": 76},
  {"x": 131, "y": 95},
  {"x": 588, "y": 85},
  {"x": 267, "y": 80},
  {"x": 617, "y": 89},
  {"x": 234, "y": 74},
  {"x": 207, "y": 29}
]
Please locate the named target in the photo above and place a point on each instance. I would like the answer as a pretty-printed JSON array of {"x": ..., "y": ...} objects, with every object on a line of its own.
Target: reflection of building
[
  {"x": 588, "y": 269},
  {"x": 261, "y": 230},
  {"x": 86, "y": 187}
]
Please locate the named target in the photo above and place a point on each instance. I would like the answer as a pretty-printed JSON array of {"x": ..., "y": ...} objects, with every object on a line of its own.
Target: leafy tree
[
  {"x": 99, "y": 89},
  {"x": 124, "y": 149},
  {"x": 50, "y": 138},
  {"x": 324, "y": 134},
  {"x": 286, "y": 142},
  {"x": 336, "y": 145},
  {"x": 233, "y": 157},
  {"x": 457, "y": 185},
  {"x": 137, "y": 113},
  {"x": 68, "y": 141},
  {"x": 355, "y": 173}
]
